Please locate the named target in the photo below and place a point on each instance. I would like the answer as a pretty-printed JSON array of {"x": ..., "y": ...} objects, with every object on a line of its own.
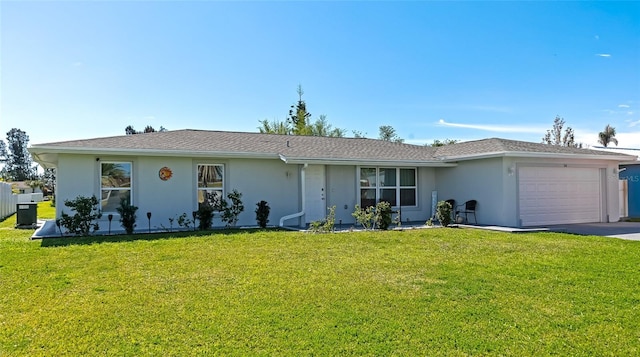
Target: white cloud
[
  {"x": 77, "y": 64},
  {"x": 607, "y": 55},
  {"x": 634, "y": 123},
  {"x": 628, "y": 140},
  {"x": 623, "y": 106},
  {"x": 596, "y": 37},
  {"x": 495, "y": 128}
]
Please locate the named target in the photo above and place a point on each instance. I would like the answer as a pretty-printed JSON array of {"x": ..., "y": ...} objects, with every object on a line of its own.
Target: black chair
[{"x": 468, "y": 207}]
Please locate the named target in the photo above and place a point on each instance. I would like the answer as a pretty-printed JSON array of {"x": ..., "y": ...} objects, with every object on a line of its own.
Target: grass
[
  {"x": 44, "y": 211},
  {"x": 423, "y": 292}
]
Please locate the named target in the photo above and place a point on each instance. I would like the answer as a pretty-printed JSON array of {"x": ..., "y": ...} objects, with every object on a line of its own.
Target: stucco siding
[
  {"x": 269, "y": 180},
  {"x": 480, "y": 180},
  {"x": 426, "y": 185},
  {"x": 164, "y": 199},
  {"x": 77, "y": 175}
]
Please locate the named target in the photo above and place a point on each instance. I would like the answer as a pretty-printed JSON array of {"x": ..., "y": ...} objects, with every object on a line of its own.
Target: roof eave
[
  {"x": 351, "y": 162},
  {"x": 36, "y": 150},
  {"x": 543, "y": 155}
]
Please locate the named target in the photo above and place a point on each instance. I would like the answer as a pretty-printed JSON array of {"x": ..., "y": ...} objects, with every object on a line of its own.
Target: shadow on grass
[{"x": 98, "y": 239}]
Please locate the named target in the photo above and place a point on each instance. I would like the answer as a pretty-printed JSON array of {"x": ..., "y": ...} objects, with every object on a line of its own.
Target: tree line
[{"x": 18, "y": 164}]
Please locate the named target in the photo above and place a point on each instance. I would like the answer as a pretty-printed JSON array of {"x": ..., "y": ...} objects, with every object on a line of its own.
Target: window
[
  {"x": 115, "y": 184},
  {"x": 210, "y": 183},
  {"x": 394, "y": 185}
]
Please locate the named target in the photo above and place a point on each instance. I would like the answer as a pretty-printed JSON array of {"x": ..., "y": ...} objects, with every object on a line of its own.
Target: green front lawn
[{"x": 421, "y": 292}]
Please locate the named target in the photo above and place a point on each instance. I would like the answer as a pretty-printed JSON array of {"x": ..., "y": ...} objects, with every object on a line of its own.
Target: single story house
[
  {"x": 24, "y": 187},
  {"x": 515, "y": 183}
]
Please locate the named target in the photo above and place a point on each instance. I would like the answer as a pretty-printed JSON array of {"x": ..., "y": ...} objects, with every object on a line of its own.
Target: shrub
[
  {"x": 364, "y": 216},
  {"x": 443, "y": 213},
  {"x": 184, "y": 221},
  {"x": 86, "y": 211},
  {"x": 326, "y": 225},
  {"x": 128, "y": 216},
  {"x": 204, "y": 215},
  {"x": 262, "y": 213},
  {"x": 231, "y": 211},
  {"x": 382, "y": 215},
  {"x": 330, "y": 222}
]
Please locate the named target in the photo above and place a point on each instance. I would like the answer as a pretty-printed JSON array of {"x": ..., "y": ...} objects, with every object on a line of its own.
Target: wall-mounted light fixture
[{"x": 511, "y": 170}]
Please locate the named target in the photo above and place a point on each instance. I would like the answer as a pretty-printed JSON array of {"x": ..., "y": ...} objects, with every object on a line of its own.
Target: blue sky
[{"x": 432, "y": 70}]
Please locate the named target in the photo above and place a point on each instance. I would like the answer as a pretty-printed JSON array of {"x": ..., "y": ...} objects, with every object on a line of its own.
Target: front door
[{"x": 315, "y": 194}]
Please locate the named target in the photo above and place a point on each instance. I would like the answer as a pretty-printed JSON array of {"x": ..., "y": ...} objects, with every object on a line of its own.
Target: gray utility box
[{"x": 27, "y": 214}]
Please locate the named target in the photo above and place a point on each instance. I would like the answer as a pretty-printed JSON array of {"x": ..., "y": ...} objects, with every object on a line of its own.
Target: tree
[
  {"x": 299, "y": 123},
  {"x": 608, "y": 136},
  {"x": 358, "y": 134},
  {"x": 3, "y": 151},
  {"x": 321, "y": 127},
  {"x": 274, "y": 127},
  {"x": 49, "y": 181},
  {"x": 298, "y": 115},
  {"x": 33, "y": 184},
  {"x": 388, "y": 133},
  {"x": 437, "y": 143},
  {"x": 556, "y": 137},
  {"x": 129, "y": 130},
  {"x": 18, "y": 162}
]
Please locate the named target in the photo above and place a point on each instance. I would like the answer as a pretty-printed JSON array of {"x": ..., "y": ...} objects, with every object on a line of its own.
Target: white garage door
[{"x": 559, "y": 195}]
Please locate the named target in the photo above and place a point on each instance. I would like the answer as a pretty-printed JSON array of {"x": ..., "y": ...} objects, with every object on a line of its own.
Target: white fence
[{"x": 8, "y": 200}]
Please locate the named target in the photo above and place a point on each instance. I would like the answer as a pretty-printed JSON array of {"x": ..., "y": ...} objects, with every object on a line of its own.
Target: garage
[{"x": 559, "y": 195}]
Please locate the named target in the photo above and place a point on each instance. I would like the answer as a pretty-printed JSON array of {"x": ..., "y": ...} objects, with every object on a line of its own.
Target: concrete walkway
[{"x": 622, "y": 230}]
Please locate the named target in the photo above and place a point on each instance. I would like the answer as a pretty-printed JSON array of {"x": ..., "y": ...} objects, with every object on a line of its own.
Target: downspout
[{"x": 303, "y": 191}]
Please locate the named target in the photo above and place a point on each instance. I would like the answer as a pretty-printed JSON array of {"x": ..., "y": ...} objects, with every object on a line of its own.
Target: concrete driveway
[{"x": 623, "y": 230}]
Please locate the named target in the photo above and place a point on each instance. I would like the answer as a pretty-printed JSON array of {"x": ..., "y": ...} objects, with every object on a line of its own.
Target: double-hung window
[
  {"x": 115, "y": 184},
  {"x": 210, "y": 183},
  {"x": 394, "y": 185}
]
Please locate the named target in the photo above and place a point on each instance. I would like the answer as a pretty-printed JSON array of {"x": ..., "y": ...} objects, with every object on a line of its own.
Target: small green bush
[
  {"x": 262, "y": 213},
  {"x": 443, "y": 213},
  {"x": 383, "y": 215},
  {"x": 185, "y": 222},
  {"x": 231, "y": 211},
  {"x": 326, "y": 225},
  {"x": 205, "y": 215},
  {"x": 364, "y": 216},
  {"x": 128, "y": 216},
  {"x": 86, "y": 211}
]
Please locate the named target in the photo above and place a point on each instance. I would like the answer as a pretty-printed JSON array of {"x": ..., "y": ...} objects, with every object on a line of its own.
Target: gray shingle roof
[
  {"x": 202, "y": 141},
  {"x": 496, "y": 145},
  {"x": 307, "y": 147}
]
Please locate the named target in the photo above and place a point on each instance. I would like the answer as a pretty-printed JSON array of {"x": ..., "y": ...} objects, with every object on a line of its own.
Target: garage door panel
[{"x": 558, "y": 195}]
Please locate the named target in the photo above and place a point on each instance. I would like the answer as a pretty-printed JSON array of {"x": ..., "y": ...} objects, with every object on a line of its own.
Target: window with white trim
[
  {"x": 115, "y": 184},
  {"x": 210, "y": 183},
  {"x": 394, "y": 185}
]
